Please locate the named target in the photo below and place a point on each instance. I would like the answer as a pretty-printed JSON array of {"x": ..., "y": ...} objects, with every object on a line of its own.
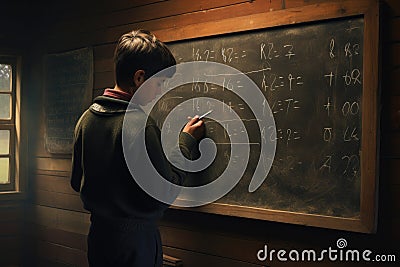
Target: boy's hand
[{"x": 195, "y": 127}]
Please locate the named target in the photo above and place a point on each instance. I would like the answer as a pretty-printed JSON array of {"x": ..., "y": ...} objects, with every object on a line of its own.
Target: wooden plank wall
[
  {"x": 390, "y": 120},
  {"x": 11, "y": 237},
  {"x": 56, "y": 221},
  {"x": 12, "y": 20}
]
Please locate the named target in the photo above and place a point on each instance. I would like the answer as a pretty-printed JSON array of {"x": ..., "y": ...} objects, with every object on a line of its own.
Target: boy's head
[{"x": 140, "y": 50}]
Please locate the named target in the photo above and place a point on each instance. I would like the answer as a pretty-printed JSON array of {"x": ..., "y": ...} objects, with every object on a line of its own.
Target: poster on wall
[{"x": 68, "y": 92}]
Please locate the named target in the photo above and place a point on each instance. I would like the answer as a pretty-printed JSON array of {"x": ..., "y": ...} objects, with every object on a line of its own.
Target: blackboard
[
  {"x": 316, "y": 78},
  {"x": 68, "y": 92},
  {"x": 311, "y": 77}
]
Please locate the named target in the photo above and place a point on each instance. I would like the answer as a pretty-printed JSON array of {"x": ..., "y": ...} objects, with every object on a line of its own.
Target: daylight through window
[{"x": 7, "y": 125}]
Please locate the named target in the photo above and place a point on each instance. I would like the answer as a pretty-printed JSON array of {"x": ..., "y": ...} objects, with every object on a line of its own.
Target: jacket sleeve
[
  {"x": 187, "y": 145},
  {"x": 76, "y": 171}
]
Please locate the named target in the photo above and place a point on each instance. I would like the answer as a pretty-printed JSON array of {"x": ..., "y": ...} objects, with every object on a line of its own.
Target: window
[{"x": 8, "y": 88}]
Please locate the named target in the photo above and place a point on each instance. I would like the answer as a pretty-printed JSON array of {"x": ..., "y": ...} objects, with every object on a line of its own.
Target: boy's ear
[{"x": 138, "y": 78}]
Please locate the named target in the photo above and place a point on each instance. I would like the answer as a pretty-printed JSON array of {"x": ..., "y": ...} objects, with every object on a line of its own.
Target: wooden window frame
[{"x": 14, "y": 189}]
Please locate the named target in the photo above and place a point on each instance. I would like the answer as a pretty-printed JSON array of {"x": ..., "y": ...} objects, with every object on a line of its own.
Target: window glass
[
  {"x": 4, "y": 142},
  {"x": 7, "y": 124},
  {"x": 4, "y": 170},
  {"x": 5, "y": 78},
  {"x": 5, "y": 106}
]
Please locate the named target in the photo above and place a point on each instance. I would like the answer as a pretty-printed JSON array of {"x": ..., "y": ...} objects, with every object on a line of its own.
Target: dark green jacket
[{"x": 99, "y": 171}]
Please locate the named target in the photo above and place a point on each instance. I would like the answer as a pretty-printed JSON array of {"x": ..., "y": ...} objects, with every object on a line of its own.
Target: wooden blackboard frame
[{"x": 369, "y": 10}]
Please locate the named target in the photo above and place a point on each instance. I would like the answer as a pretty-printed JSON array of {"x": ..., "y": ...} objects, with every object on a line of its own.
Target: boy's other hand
[{"x": 195, "y": 127}]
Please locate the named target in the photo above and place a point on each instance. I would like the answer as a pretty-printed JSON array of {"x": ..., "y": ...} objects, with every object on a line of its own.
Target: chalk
[
  {"x": 205, "y": 114},
  {"x": 202, "y": 116}
]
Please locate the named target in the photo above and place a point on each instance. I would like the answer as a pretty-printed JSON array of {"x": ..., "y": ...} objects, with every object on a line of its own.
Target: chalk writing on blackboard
[
  {"x": 68, "y": 91},
  {"x": 311, "y": 77}
]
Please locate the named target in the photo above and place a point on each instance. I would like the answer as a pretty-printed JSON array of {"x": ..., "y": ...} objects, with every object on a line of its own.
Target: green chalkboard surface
[
  {"x": 311, "y": 76},
  {"x": 68, "y": 92}
]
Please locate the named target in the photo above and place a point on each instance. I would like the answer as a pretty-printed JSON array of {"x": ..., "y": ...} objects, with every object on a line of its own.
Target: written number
[
  {"x": 350, "y": 108},
  {"x": 353, "y": 77},
  {"x": 351, "y": 50}
]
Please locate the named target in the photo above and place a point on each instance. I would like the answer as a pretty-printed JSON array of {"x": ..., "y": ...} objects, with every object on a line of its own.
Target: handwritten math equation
[{"x": 313, "y": 89}]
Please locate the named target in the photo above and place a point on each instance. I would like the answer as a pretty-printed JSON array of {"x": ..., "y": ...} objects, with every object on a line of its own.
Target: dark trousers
[{"x": 124, "y": 243}]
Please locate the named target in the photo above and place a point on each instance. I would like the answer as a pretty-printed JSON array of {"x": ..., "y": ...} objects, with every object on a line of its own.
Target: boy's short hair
[{"x": 140, "y": 50}]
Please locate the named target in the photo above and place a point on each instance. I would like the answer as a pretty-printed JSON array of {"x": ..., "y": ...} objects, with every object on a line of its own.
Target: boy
[{"x": 123, "y": 229}]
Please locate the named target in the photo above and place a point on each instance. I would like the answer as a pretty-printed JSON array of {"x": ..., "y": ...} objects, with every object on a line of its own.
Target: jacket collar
[{"x": 105, "y": 105}]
